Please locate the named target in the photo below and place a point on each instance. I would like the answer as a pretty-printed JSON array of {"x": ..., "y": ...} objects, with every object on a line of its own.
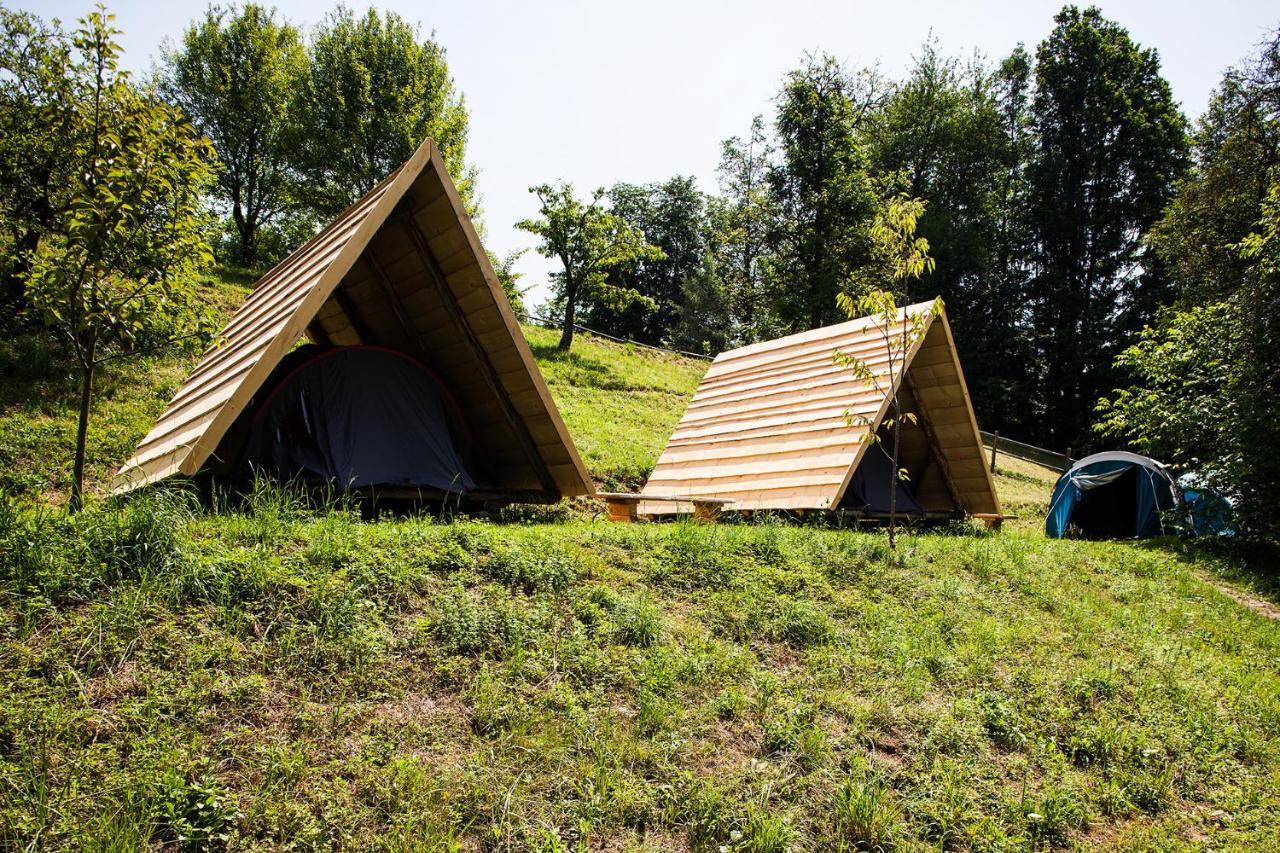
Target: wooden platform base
[{"x": 623, "y": 506}]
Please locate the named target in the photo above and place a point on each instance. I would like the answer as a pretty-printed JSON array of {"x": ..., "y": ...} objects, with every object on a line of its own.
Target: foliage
[
  {"x": 672, "y": 216},
  {"x": 1205, "y": 381},
  {"x": 1202, "y": 382},
  {"x": 237, "y": 75},
  {"x": 743, "y": 218},
  {"x": 130, "y": 235},
  {"x": 373, "y": 91},
  {"x": 35, "y": 145},
  {"x": 505, "y": 269},
  {"x": 944, "y": 136},
  {"x": 1110, "y": 142},
  {"x": 588, "y": 241},
  {"x": 821, "y": 188},
  {"x": 906, "y": 258},
  {"x": 1236, "y": 152}
]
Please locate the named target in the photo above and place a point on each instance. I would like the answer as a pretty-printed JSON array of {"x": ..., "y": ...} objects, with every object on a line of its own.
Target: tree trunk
[
  {"x": 893, "y": 480},
  {"x": 87, "y": 355},
  {"x": 247, "y": 229},
  {"x": 566, "y": 334}
]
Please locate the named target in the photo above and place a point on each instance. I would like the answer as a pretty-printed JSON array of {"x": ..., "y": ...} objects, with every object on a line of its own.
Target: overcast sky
[{"x": 601, "y": 92}]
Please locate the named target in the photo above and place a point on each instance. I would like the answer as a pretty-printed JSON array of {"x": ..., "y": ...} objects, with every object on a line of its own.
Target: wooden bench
[{"x": 623, "y": 505}]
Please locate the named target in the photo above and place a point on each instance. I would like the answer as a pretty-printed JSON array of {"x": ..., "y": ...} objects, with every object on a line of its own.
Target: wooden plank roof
[
  {"x": 767, "y": 426},
  {"x": 402, "y": 267}
]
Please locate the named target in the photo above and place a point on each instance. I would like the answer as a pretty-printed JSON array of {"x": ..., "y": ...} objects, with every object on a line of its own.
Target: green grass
[
  {"x": 277, "y": 676},
  {"x": 620, "y": 402}
]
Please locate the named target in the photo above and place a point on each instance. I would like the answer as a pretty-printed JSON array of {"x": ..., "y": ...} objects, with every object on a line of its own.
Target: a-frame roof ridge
[{"x": 286, "y": 302}]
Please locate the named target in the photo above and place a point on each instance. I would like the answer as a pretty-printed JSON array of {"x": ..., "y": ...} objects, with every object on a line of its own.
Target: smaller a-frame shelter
[
  {"x": 400, "y": 273},
  {"x": 769, "y": 428}
]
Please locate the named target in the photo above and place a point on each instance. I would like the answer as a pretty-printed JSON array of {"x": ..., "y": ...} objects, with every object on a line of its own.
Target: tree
[
  {"x": 588, "y": 241},
  {"x": 1110, "y": 146},
  {"x": 373, "y": 92},
  {"x": 821, "y": 188},
  {"x": 236, "y": 75},
  {"x": 672, "y": 215},
  {"x": 743, "y": 218},
  {"x": 128, "y": 232},
  {"x": 1236, "y": 159},
  {"x": 904, "y": 257},
  {"x": 35, "y": 163},
  {"x": 941, "y": 137},
  {"x": 505, "y": 269},
  {"x": 1201, "y": 383}
]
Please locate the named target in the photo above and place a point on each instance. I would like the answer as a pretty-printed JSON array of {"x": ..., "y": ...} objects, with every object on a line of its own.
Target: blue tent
[
  {"x": 1209, "y": 512},
  {"x": 1112, "y": 495}
]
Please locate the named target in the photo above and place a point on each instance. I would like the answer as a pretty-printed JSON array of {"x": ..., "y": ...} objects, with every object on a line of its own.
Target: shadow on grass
[
  {"x": 34, "y": 370},
  {"x": 1249, "y": 563}
]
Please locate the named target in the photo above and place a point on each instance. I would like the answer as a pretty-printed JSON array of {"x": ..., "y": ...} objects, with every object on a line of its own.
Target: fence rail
[
  {"x": 1048, "y": 458},
  {"x": 555, "y": 324}
]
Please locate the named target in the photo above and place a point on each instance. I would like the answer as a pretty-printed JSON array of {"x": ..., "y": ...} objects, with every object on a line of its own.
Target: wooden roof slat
[{"x": 767, "y": 426}]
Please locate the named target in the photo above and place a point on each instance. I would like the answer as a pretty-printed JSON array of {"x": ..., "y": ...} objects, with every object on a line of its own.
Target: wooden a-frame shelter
[
  {"x": 402, "y": 268},
  {"x": 769, "y": 426}
]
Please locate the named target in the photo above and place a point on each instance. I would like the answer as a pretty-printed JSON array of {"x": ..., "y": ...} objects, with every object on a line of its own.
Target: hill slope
[{"x": 276, "y": 676}]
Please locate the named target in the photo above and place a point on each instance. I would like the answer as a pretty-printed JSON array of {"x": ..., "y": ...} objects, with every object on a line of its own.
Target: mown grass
[{"x": 280, "y": 677}]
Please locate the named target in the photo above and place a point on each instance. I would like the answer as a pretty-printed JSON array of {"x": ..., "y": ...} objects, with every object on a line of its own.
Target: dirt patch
[{"x": 1257, "y": 605}]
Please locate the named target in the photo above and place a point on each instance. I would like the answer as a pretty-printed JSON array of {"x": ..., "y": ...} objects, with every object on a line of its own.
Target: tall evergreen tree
[
  {"x": 743, "y": 217},
  {"x": 236, "y": 75},
  {"x": 940, "y": 138},
  {"x": 821, "y": 187},
  {"x": 1110, "y": 145}
]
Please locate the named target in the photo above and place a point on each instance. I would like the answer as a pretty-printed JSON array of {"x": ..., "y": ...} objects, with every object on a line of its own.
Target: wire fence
[{"x": 555, "y": 324}]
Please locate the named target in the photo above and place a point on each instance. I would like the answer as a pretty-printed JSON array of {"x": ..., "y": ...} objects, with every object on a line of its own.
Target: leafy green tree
[
  {"x": 742, "y": 219},
  {"x": 821, "y": 188},
  {"x": 1236, "y": 153},
  {"x": 35, "y": 145},
  {"x": 374, "y": 90},
  {"x": 941, "y": 137},
  {"x": 589, "y": 241},
  {"x": 672, "y": 216},
  {"x": 1203, "y": 381},
  {"x": 236, "y": 75},
  {"x": 505, "y": 269},
  {"x": 903, "y": 258},
  {"x": 1110, "y": 145},
  {"x": 128, "y": 233}
]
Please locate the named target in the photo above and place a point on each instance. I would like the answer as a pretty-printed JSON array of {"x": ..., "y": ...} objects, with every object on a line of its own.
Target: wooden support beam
[
  {"x": 933, "y": 442},
  {"x": 397, "y": 307},
  {"x": 354, "y": 317},
  {"x": 490, "y": 376},
  {"x": 318, "y": 334}
]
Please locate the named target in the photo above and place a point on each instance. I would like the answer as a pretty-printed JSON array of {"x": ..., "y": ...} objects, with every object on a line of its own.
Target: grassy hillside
[
  {"x": 283, "y": 678},
  {"x": 278, "y": 676}
]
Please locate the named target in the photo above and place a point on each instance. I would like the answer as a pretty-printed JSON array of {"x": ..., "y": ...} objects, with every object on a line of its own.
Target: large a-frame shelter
[
  {"x": 401, "y": 270},
  {"x": 769, "y": 428}
]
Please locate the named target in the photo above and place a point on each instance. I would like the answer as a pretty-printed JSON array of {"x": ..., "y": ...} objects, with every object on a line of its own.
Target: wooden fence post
[{"x": 995, "y": 440}]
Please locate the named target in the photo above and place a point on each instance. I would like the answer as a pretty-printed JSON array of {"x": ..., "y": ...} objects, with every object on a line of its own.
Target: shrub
[
  {"x": 195, "y": 814},
  {"x": 865, "y": 814},
  {"x": 516, "y": 567}
]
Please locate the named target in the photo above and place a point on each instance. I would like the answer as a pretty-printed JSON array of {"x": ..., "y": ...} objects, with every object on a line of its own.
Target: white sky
[{"x": 602, "y": 92}]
